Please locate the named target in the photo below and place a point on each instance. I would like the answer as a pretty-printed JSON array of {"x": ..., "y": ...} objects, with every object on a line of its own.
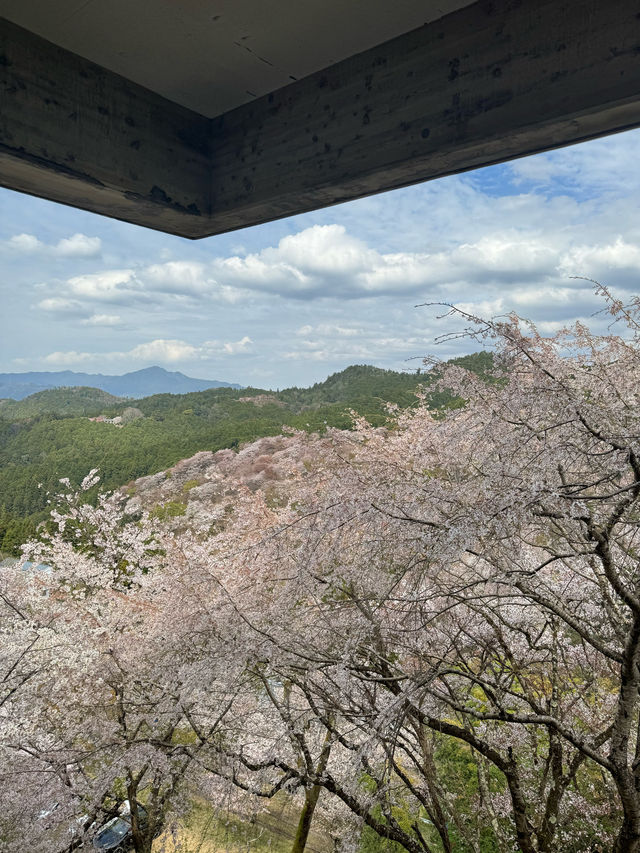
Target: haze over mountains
[{"x": 139, "y": 383}]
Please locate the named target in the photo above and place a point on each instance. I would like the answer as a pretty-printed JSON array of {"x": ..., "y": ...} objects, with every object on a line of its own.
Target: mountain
[
  {"x": 139, "y": 383},
  {"x": 76, "y": 401}
]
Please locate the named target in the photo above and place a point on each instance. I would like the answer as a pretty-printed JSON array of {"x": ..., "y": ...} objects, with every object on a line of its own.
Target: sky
[{"x": 290, "y": 302}]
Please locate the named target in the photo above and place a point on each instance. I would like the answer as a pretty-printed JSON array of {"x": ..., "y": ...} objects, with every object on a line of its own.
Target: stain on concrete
[
  {"x": 50, "y": 165},
  {"x": 159, "y": 196}
]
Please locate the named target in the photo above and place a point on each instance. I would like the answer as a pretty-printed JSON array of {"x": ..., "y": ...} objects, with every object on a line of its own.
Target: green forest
[{"x": 49, "y": 435}]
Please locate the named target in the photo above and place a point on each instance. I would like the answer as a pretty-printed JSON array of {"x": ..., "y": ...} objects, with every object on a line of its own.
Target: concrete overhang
[{"x": 203, "y": 116}]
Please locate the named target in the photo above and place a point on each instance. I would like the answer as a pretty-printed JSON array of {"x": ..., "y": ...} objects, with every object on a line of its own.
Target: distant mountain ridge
[{"x": 139, "y": 383}]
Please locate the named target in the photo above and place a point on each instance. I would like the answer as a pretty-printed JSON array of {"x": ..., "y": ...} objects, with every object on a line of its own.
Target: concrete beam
[
  {"x": 488, "y": 83},
  {"x": 493, "y": 81},
  {"x": 75, "y": 133}
]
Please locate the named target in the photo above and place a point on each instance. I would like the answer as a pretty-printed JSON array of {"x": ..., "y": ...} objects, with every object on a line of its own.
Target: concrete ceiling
[
  {"x": 214, "y": 55},
  {"x": 197, "y": 117}
]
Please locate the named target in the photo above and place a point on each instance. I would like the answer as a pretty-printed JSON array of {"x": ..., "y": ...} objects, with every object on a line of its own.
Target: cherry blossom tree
[
  {"x": 429, "y": 631},
  {"x": 469, "y": 577},
  {"x": 99, "y": 681}
]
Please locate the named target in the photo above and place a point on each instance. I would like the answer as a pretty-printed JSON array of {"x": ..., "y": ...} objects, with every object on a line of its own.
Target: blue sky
[{"x": 292, "y": 301}]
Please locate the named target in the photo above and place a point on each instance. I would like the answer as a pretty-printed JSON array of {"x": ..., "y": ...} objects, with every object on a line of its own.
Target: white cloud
[
  {"x": 61, "y": 305},
  {"x": 325, "y": 261},
  {"x": 164, "y": 351},
  {"x": 107, "y": 286},
  {"x": 70, "y": 358},
  {"x": 159, "y": 350},
  {"x": 79, "y": 246},
  {"x": 177, "y": 277},
  {"x": 329, "y": 329},
  {"x": 162, "y": 284},
  {"x": 235, "y": 347},
  {"x": 311, "y": 263},
  {"x": 25, "y": 243},
  {"x": 102, "y": 320},
  {"x": 76, "y": 246},
  {"x": 619, "y": 259}
]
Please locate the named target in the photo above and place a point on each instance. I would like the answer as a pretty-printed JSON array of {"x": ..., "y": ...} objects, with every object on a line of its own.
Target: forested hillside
[
  {"x": 40, "y": 444},
  {"x": 77, "y": 400}
]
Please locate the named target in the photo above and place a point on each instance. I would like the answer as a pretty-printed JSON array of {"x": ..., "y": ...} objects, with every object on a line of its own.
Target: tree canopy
[{"x": 428, "y": 629}]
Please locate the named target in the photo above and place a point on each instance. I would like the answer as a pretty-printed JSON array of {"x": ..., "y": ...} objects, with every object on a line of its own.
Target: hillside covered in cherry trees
[
  {"x": 421, "y": 632},
  {"x": 66, "y": 432}
]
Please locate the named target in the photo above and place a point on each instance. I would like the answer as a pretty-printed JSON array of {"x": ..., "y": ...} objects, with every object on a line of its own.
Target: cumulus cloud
[
  {"x": 528, "y": 270},
  {"x": 322, "y": 260},
  {"x": 329, "y": 329},
  {"x": 79, "y": 246},
  {"x": 163, "y": 351},
  {"x": 76, "y": 246},
  {"x": 159, "y": 350},
  {"x": 619, "y": 259},
  {"x": 64, "y": 307},
  {"x": 177, "y": 277},
  {"x": 107, "y": 286},
  {"x": 325, "y": 261},
  {"x": 234, "y": 347},
  {"x": 161, "y": 284},
  {"x": 176, "y": 350},
  {"x": 70, "y": 358},
  {"x": 371, "y": 345},
  {"x": 27, "y": 243}
]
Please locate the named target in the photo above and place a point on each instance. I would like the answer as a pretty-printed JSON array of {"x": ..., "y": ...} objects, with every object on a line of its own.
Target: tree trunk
[
  {"x": 142, "y": 840},
  {"x": 311, "y": 796},
  {"x": 628, "y": 840},
  {"x": 437, "y": 815},
  {"x": 485, "y": 800},
  {"x": 524, "y": 831}
]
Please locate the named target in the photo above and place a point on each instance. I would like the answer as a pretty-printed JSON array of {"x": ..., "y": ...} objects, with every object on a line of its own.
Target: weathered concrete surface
[
  {"x": 493, "y": 81},
  {"x": 72, "y": 132},
  {"x": 214, "y": 55}
]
